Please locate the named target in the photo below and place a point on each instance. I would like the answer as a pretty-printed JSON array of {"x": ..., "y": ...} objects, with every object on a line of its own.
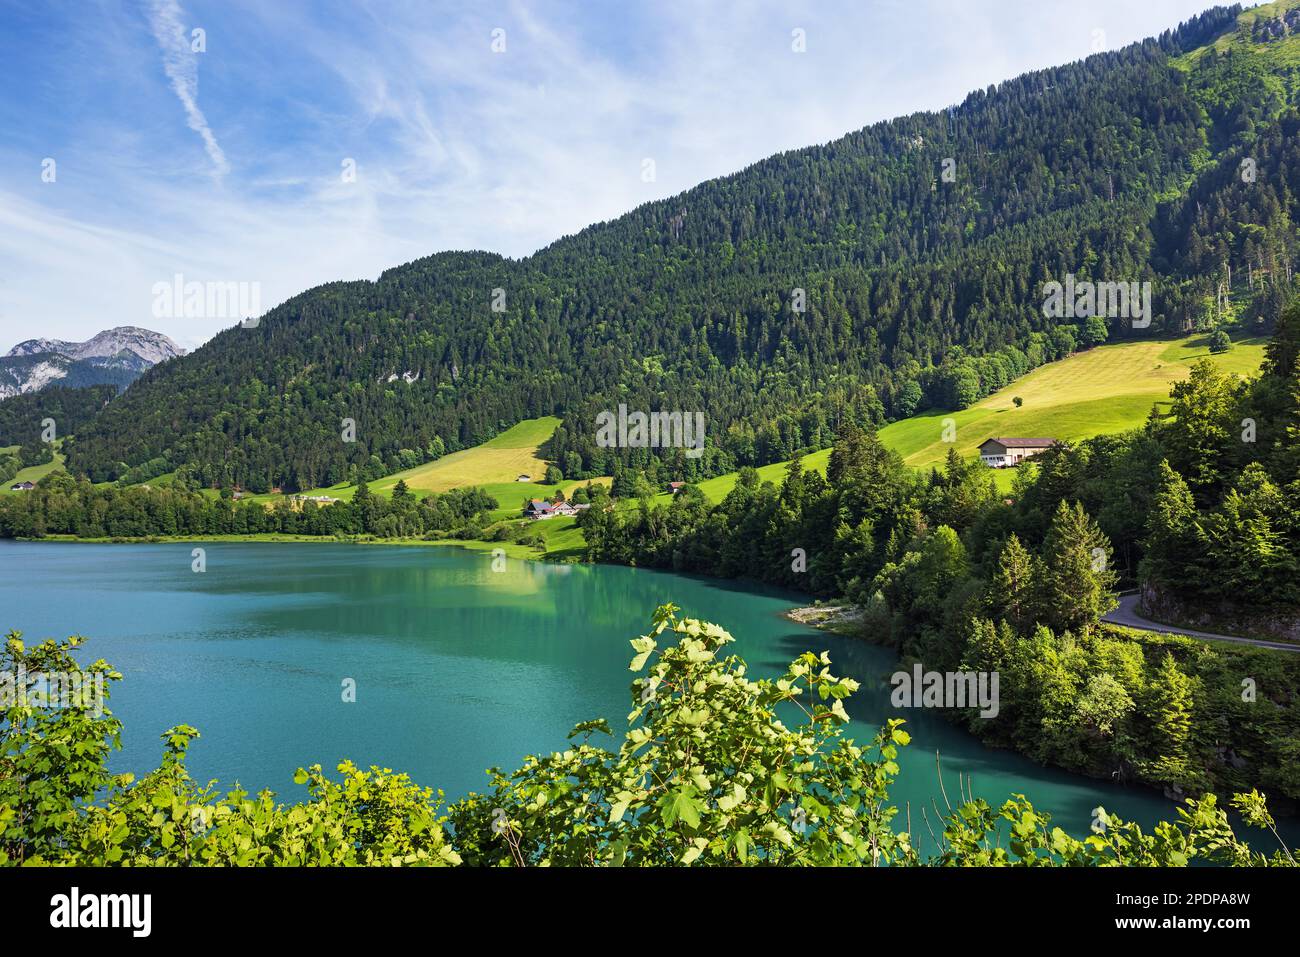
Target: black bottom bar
[{"x": 899, "y": 905}]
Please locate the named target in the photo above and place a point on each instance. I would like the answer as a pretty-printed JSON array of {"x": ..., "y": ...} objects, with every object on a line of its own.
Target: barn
[{"x": 1003, "y": 452}]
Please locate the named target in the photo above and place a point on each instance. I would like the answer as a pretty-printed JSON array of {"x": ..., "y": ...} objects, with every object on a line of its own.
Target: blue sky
[{"x": 227, "y": 165}]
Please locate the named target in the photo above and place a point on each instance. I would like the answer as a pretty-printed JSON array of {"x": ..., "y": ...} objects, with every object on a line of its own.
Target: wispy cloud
[{"x": 182, "y": 67}]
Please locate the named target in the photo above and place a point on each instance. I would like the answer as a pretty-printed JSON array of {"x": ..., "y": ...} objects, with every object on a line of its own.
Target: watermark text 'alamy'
[{"x": 653, "y": 430}]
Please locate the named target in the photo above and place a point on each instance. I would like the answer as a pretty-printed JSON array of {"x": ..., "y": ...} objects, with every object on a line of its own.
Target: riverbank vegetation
[
  {"x": 715, "y": 768},
  {"x": 62, "y": 505},
  {"x": 1200, "y": 503}
]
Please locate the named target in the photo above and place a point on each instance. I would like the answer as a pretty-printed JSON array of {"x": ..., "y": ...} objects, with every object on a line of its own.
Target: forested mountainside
[
  {"x": 69, "y": 407},
  {"x": 24, "y": 437},
  {"x": 1170, "y": 161}
]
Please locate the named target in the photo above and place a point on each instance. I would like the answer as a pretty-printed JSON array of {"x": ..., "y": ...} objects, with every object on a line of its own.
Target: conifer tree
[
  {"x": 1011, "y": 590},
  {"x": 1170, "y": 707},
  {"x": 1174, "y": 541},
  {"x": 1075, "y": 584}
]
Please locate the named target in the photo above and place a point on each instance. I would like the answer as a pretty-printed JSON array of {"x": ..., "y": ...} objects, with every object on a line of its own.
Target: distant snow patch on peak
[{"x": 116, "y": 356}]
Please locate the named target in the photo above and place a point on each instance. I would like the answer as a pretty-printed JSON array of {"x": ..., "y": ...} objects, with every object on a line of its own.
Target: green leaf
[
  {"x": 695, "y": 850},
  {"x": 681, "y": 805},
  {"x": 742, "y": 844}
]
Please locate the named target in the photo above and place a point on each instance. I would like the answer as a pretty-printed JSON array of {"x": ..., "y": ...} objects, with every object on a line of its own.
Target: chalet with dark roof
[
  {"x": 539, "y": 508},
  {"x": 1000, "y": 452}
]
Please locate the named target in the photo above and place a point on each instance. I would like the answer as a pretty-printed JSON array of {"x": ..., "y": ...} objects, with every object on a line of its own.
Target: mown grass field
[
  {"x": 33, "y": 473},
  {"x": 1111, "y": 388},
  {"x": 496, "y": 462},
  {"x": 493, "y": 466}
]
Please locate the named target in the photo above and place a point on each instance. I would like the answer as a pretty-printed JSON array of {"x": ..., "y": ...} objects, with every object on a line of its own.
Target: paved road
[{"x": 1127, "y": 614}]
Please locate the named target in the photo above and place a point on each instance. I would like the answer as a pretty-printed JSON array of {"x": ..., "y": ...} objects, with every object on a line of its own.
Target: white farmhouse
[{"x": 1000, "y": 453}]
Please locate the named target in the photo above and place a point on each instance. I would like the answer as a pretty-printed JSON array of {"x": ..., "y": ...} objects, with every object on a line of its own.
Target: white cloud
[{"x": 182, "y": 68}]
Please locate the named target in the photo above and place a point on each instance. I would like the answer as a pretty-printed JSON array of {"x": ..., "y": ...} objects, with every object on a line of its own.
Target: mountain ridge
[
  {"x": 153, "y": 347},
  {"x": 115, "y": 356}
]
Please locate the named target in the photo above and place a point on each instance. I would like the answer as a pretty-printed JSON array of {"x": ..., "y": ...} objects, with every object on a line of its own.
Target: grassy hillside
[
  {"x": 493, "y": 466},
  {"x": 498, "y": 461},
  {"x": 1107, "y": 389},
  {"x": 33, "y": 473},
  {"x": 1111, "y": 388}
]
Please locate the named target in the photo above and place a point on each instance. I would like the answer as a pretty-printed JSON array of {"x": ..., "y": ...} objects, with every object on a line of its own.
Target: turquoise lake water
[{"x": 457, "y": 668}]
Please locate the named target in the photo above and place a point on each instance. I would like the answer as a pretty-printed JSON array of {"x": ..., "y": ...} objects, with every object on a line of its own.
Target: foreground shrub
[{"x": 714, "y": 768}]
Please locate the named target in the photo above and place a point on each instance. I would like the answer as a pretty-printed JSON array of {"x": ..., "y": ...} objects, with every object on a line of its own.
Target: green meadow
[
  {"x": 1111, "y": 388},
  {"x": 494, "y": 466},
  {"x": 33, "y": 473}
]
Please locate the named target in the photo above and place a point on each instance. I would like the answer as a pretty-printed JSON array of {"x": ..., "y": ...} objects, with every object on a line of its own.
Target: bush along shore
[{"x": 705, "y": 774}]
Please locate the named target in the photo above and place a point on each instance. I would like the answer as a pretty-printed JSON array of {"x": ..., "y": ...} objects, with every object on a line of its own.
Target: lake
[{"x": 458, "y": 668}]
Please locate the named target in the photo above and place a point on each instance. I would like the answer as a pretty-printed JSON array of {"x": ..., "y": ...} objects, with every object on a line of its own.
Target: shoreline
[
  {"x": 512, "y": 549},
  {"x": 838, "y": 619}
]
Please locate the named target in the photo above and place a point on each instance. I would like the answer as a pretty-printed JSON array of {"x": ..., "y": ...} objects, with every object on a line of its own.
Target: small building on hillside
[
  {"x": 524, "y": 478},
  {"x": 675, "y": 487},
  {"x": 320, "y": 500},
  {"x": 22, "y": 487},
  {"x": 539, "y": 508},
  {"x": 1003, "y": 452}
]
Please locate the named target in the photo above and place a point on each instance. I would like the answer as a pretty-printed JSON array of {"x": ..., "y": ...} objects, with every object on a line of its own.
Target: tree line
[{"x": 63, "y": 505}]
